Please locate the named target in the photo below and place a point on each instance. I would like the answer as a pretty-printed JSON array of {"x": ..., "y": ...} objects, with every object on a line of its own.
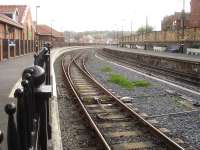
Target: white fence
[
  {"x": 193, "y": 51},
  {"x": 159, "y": 49}
]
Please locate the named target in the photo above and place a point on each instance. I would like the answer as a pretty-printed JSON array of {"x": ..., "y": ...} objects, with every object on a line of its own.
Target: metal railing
[{"x": 31, "y": 130}]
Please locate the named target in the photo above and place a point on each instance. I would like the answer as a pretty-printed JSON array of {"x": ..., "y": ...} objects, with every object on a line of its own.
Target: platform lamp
[
  {"x": 36, "y": 38},
  {"x": 122, "y": 36}
]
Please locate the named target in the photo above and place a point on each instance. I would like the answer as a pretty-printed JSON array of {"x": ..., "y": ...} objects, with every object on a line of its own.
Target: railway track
[
  {"x": 183, "y": 77},
  {"x": 116, "y": 125}
]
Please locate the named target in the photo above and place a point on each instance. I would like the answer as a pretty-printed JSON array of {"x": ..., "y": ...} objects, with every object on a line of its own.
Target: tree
[{"x": 144, "y": 29}]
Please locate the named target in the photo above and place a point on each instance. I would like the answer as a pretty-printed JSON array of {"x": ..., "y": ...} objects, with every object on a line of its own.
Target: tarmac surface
[
  {"x": 180, "y": 56},
  {"x": 10, "y": 73}
]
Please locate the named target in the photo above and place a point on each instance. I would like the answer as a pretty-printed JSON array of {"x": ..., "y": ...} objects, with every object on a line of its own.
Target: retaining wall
[{"x": 189, "y": 67}]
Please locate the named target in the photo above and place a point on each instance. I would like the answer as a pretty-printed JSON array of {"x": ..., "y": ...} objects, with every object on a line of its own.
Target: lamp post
[
  {"x": 117, "y": 38},
  {"x": 146, "y": 24},
  {"x": 52, "y": 32},
  {"x": 183, "y": 20},
  {"x": 145, "y": 45},
  {"x": 114, "y": 41},
  {"x": 36, "y": 16},
  {"x": 131, "y": 27},
  {"x": 131, "y": 34},
  {"x": 36, "y": 35},
  {"x": 183, "y": 28}
]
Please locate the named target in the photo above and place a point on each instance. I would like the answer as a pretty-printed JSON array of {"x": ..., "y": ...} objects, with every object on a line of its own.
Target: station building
[
  {"x": 16, "y": 31},
  {"x": 48, "y": 34},
  {"x": 9, "y": 29}
]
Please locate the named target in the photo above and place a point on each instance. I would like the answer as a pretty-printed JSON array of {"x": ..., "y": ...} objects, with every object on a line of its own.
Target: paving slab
[{"x": 10, "y": 73}]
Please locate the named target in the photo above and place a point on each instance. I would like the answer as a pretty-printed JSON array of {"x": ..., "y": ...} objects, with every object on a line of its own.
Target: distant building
[
  {"x": 191, "y": 20},
  {"x": 48, "y": 34},
  {"x": 174, "y": 22}
]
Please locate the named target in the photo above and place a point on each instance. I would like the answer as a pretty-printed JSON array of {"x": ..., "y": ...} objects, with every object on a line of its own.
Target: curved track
[{"x": 116, "y": 125}]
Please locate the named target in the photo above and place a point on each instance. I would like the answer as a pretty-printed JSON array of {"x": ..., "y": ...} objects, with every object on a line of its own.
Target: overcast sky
[{"x": 81, "y": 15}]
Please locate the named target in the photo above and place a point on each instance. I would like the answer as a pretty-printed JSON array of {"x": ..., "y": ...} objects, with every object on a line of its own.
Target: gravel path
[
  {"x": 75, "y": 135},
  {"x": 156, "y": 99}
]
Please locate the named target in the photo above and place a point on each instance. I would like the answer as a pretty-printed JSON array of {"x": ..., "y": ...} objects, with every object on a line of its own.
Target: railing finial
[{"x": 12, "y": 134}]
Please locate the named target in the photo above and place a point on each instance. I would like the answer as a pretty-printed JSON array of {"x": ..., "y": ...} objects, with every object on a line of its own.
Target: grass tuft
[
  {"x": 106, "y": 69},
  {"x": 121, "y": 81},
  {"x": 141, "y": 83},
  {"x": 125, "y": 83}
]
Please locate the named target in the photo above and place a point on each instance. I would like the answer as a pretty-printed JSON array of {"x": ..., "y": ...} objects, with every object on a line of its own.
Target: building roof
[
  {"x": 12, "y": 8},
  {"x": 46, "y": 30},
  {"x": 8, "y": 20}
]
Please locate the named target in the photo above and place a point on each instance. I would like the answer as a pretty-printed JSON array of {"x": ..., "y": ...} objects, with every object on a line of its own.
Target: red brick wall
[
  {"x": 195, "y": 13},
  {"x": 28, "y": 27}
]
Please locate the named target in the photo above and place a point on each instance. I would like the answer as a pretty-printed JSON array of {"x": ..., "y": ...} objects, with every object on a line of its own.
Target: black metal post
[
  {"x": 12, "y": 134},
  {"x": 33, "y": 126},
  {"x": 1, "y": 137}
]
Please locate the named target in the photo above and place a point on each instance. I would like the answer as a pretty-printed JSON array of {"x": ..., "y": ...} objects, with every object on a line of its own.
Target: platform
[
  {"x": 10, "y": 73},
  {"x": 179, "y": 56}
]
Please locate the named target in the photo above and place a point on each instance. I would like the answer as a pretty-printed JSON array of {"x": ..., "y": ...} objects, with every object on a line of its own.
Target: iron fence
[{"x": 28, "y": 122}]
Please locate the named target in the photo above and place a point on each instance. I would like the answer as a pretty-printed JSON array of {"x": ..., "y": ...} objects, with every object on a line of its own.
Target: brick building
[
  {"x": 9, "y": 30},
  {"x": 48, "y": 34},
  {"x": 195, "y": 13},
  {"x": 191, "y": 20},
  {"x": 17, "y": 30},
  {"x": 174, "y": 22}
]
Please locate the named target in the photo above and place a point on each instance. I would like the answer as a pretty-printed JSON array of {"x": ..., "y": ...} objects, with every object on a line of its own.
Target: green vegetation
[
  {"x": 125, "y": 83},
  {"x": 121, "y": 81},
  {"x": 144, "y": 29},
  {"x": 106, "y": 69},
  {"x": 177, "y": 101},
  {"x": 141, "y": 83}
]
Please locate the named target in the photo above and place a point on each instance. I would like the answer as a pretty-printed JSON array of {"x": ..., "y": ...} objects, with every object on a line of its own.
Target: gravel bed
[
  {"x": 185, "y": 127},
  {"x": 157, "y": 99},
  {"x": 74, "y": 134},
  {"x": 171, "y": 79}
]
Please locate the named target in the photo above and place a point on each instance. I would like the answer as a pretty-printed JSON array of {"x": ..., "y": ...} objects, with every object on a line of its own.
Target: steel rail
[
  {"x": 93, "y": 125},
  {"x": 169, "y": 142}
]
